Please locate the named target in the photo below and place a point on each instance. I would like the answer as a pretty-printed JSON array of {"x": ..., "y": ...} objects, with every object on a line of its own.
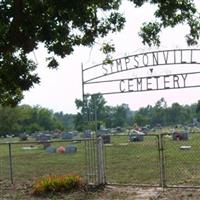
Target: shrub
[{"x": 52, "y": 184}]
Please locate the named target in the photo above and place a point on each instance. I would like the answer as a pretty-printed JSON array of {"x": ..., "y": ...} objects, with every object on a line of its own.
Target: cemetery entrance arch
[
  {"x": 149, "y": 71},
  {"x": 142, "y": 72}
]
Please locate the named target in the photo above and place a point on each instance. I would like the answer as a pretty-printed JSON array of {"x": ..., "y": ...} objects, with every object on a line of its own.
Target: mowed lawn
[{"x": 125, "y": 162}]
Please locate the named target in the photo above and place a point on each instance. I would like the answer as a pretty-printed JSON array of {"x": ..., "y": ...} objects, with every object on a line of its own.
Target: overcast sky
[{"x": 58, "y": 89}]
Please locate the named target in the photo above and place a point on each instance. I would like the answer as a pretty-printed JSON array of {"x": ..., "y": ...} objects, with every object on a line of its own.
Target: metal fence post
[
  {"x": 100, "y": 162},
  {"x": 10, "y": 163},
  {"x": 161, "y": 160}
]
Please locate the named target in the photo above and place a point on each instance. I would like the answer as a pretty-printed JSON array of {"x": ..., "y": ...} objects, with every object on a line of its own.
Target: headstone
[
  {"x": 180, "y": 135},
  {"x": 71, "y": 149},
  {"x": 118, "y": 129},
  {"x": 87, "y": 134},
  {"x": 136, "y": 137},
  {"x": 106, "y": 139},
  {"x": 184, "y": 147},
  {"x": 46, "y": 144},
  {"x": 51, "y": 149},
  {"x": 23, "y": 136},
  {"x": 67, "y": 136},
  {"x": 43, "y": 137},
  {"x": 105, "y": 136}
]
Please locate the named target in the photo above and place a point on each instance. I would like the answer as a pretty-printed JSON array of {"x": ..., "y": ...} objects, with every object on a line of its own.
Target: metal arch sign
[{"x": 147, "y": 71}]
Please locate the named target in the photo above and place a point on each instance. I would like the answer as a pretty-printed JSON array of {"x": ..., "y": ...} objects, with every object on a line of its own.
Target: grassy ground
[
  {"x": 126, "y": 163},
  {"x": 139, "y": 162}
]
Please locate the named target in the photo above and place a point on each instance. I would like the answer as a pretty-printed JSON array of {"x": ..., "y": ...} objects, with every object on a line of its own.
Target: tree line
[
  {"x": 24, "y": 118},
  {"x": 93, "y": 114},
  {"x": 123, "y": 116},
  {"x": 165, "y": 115}
]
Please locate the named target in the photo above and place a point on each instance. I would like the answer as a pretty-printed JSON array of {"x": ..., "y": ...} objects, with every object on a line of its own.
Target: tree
[
  {"x": 140, "y": 119},
  {"x": 92, "y": 109},
  {"x": 122, "y": 116},
  {"x": 198, "y": 109},
  {"x": 62, "y": 25},
  {"x": 158, "y": 114},
  {"x": 66, "y": 120},
  {"x": 170, "y": 13},
  {"x": 30, "y": 119},
  {"x": 9, "y": 118}
]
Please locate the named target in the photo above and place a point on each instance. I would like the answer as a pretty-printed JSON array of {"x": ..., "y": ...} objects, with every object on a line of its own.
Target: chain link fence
[
  {"x": 156, "y": 160},
  {"x": 26, "y": 161},
  {"x": 182, "y": 160},
  {"x": 153, "y": 160},
  {"x": 23, "y": 162}
]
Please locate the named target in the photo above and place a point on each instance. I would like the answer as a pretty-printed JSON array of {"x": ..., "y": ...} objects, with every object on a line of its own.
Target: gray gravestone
[{"x": 71, "y": 149}]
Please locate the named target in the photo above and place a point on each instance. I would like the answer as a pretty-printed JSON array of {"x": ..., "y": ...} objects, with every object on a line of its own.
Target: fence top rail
[{"x": 48, "y": 141}]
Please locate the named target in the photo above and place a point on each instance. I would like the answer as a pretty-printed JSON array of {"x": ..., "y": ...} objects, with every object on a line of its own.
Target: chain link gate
[
  {"x": 94, "y": 158},
  {"x": 134, "y": 163},
  {"x": 158, "y": 160}
]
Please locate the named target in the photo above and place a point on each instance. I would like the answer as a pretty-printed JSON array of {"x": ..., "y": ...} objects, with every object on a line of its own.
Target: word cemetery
[{"x": 153, "y": 83}]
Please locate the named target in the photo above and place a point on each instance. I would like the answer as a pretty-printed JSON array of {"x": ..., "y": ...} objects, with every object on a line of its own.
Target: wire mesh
[
  {"x": 29, "y": 161},
  {"x": 182, "y": 160},
  {"x": 135, "y": 162},
  {"x": 154, "y": 160}
]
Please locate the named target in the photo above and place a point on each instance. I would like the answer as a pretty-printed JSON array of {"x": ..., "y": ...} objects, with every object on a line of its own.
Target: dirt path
[{"x": 108, "y": 193}]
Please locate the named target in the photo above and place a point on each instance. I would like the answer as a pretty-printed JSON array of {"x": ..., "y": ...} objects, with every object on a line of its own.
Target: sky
[{"x": 59, "y": 88}]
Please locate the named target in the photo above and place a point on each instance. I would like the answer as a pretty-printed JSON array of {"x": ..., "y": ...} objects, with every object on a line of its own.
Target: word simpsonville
[{"x": 167, "y": 57}]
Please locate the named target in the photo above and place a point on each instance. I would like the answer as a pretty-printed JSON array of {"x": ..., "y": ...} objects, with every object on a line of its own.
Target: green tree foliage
[
  {"x": 60, "y": 25},
  {"x": 66, "y": 120},
  {"x": 9, "y": 120},
  {"x": 63, "y": 25},
  {"x": 91, "y": 109},
  {"x": 164, "y": 115},
  {"x": 95, "y": 109},
  {"x": 198, "y": 110},
  {"x": 170, "y": 13},
  {"x": 30, "y": 119},
  {"x": 122, "y": 116}
]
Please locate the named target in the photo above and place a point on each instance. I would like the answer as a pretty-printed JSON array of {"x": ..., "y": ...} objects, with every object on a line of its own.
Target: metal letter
[
  {"x": 139, "y": 82},
  {"x": 147, "y": 59},
  {"x": 184, "y": 79},
  {"x": 165, "y": 56},
  {"x": 148, "y": 83},
  {"x": 175, "y": 80},
  {"x": 191, "y": 57},
  {"x": 119, "y": 65},
  {"x": 182, "y": 58},
  {"x": 106, "y": 70},
  {"x": 155, "y": 58},
  {"x": 166, "y": 81},
  {"x": 127, "y": 60},
  {"x": 130, "y": 85},
  {"x": 157, "y": 77},
  {"x": 136, "y": 56},
  {"x": 174, "y": 56},
  {"x": 120, "y": 86}
]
